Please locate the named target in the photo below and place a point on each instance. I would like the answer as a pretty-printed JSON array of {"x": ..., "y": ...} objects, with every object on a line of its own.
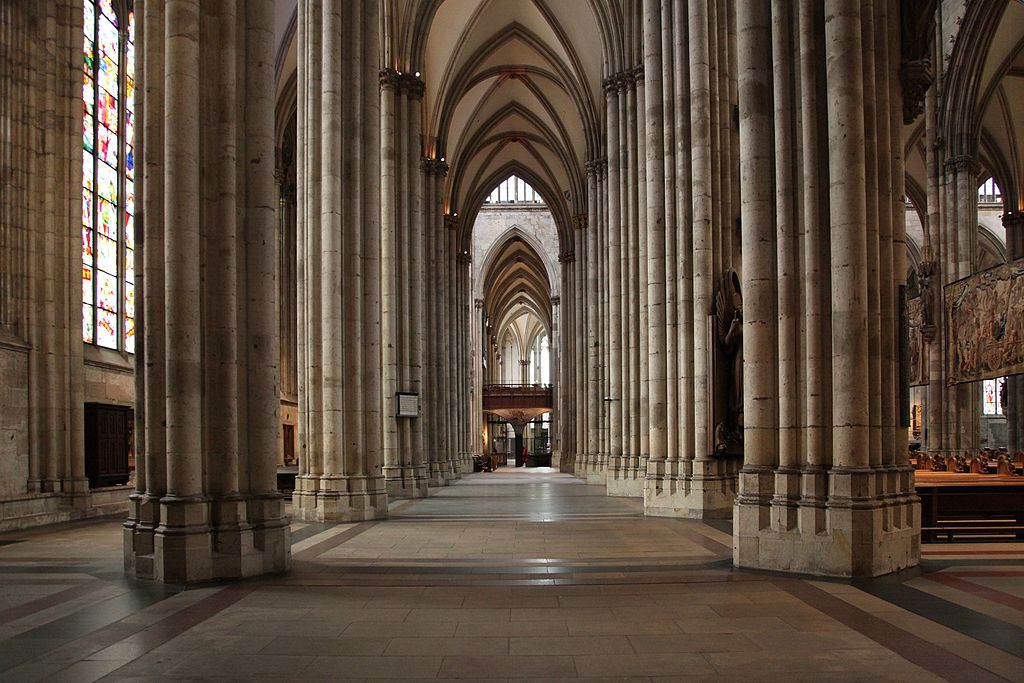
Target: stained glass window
[
  {"x": 108, "y": 174},
  {"x": 991, "y": 396},
  {"x": 514, "y": 190}
]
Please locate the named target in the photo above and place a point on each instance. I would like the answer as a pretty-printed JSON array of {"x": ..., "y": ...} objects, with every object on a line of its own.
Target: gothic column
[
  {"x": 618, "y": 295},
  {"x": 859, "y": 517},
  {"x": 210, "y": 508},
  {"x": 594, "y": 395},
  {"x": 344, "y": 406},
  {"x": 759, "y": 282},
  {"x": 582, "y": 387},
  {"x": 404, "y": 321},
  {"x": 1013, "y": 222},
  {"x": 694, "y": 44}
]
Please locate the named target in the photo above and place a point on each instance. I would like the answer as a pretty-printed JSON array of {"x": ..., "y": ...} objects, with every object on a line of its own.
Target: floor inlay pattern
[{"x": 501, "y": 576}]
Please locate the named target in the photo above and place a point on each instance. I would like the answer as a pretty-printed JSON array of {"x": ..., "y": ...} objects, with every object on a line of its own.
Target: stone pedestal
[
  {"x": 409, "y": 481},
  {"x": 624, "y": 476},
  {"x": 694, "y": 489},
  {"x": 856, "y": 533},
  {"x": 343, "y": 499}
]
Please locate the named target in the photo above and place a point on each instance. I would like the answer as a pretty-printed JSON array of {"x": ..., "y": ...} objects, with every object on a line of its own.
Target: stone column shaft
[
  {"x": 848, "y": 234},
  {"x": 872, "y": 213},
  {"x": 703, "y": 255},
  {"x": 655, "y": 229}
]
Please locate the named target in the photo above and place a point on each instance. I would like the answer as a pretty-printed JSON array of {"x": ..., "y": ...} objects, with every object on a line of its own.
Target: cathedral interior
[{"x": 512, "y": 339}]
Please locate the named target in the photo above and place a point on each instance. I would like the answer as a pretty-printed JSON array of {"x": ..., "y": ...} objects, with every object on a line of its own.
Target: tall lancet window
[{"x": 108, "y": 175}]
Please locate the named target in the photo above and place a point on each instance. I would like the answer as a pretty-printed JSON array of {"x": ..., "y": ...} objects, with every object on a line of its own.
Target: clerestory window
[
  {"x": 108, "y": 175},
  {"x": 514, "y": 190}
]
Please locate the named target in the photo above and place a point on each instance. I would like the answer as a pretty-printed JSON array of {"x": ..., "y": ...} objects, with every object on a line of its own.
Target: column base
[
  {"x": 406, "y": 481},
  {"x": 859, "y": 532},
  {"x": 439, "y": 473},
  {"x": 597, "y": 471},
  {"x": 341, "y": 499},
  {"x": 454, "y": 470},
  {"x": 581, "y": 465},
  {"x": 625, "y": 476},
  {"x": 191, "y": 540},
  {"x": 692, "y": 489}
]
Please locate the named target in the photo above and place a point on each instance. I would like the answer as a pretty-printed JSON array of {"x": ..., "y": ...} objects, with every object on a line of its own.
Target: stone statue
[{"x": 729, "y": 326}]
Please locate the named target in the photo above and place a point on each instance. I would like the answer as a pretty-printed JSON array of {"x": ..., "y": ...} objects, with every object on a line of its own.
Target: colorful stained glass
[
  {"x": 108, "y": 110},
  {"x": 108, "y": 9},
  {"x": 88, "y": 134},
  {"x": 108, "y": 161},
  {"x": 108, "y": 39},
  {"x": 106, "y": 291},
  {"x": 129, "y": 231},
  {"x": 88, "y": 55},
  {"x": 106, "y": 254},
  {"x": 106, "y": 179},
  {"x": 88, "y": 19},
  {"x": 87, "y": 247},
  {"x": 129, "y": 335},
  {"x": 106, "y": 329},
  {"x": 129, "y": 300},
  {"x": 88, "y": 94},
  {"x": 87, "y": 284},
  {"x": 87, "y": 197},
  {"x": 87, "y": 334},
  {"x": 108, "y": 73},
  {"x": 107, "y": 146},
  {"x": 108, "y": 219},
  {"x": 87, "y": 170},
  {"x": 129, "y": 127}
]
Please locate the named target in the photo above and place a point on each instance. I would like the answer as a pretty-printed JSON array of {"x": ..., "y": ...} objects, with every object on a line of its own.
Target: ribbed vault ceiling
[
  {"x": 512, "y": 86},
  {"x": 515, "y": 282}
]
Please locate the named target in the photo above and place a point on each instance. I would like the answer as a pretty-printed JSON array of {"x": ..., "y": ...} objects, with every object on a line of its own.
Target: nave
[{"x": 505, "y": 575}]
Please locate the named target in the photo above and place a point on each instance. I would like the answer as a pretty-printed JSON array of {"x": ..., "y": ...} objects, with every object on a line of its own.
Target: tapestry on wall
[{"x": 985, "y": 324}]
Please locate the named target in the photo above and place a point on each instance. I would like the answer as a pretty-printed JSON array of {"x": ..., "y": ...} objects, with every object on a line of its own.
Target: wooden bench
[{"x": 970, "y": 504}]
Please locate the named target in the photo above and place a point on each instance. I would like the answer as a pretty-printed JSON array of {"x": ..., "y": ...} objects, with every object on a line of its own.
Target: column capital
[
  {"x": 579, "y": 221},
  {"x": 1014, "y": 220},
  {"x": 556, "y": 300},
  {"x": 401, "y": 82},
  {"x": 389, "y": 79},
  {"x": 451, "y": 222},
  {"x": 434, "y": 167},
  {"x": 478, "y": 303},
  {"x": 613, "y": 83},
  {"x": 635, "y": 76},
  {"x": 962, "y": 163},
  {"x": 567, "y": 256},
  {"x": 916, "y": 76},
  {"x": 597, "y": 167}
]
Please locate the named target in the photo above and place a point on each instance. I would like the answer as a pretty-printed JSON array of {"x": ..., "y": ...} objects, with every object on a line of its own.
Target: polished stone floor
[{"x": 508, "y": 575}]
